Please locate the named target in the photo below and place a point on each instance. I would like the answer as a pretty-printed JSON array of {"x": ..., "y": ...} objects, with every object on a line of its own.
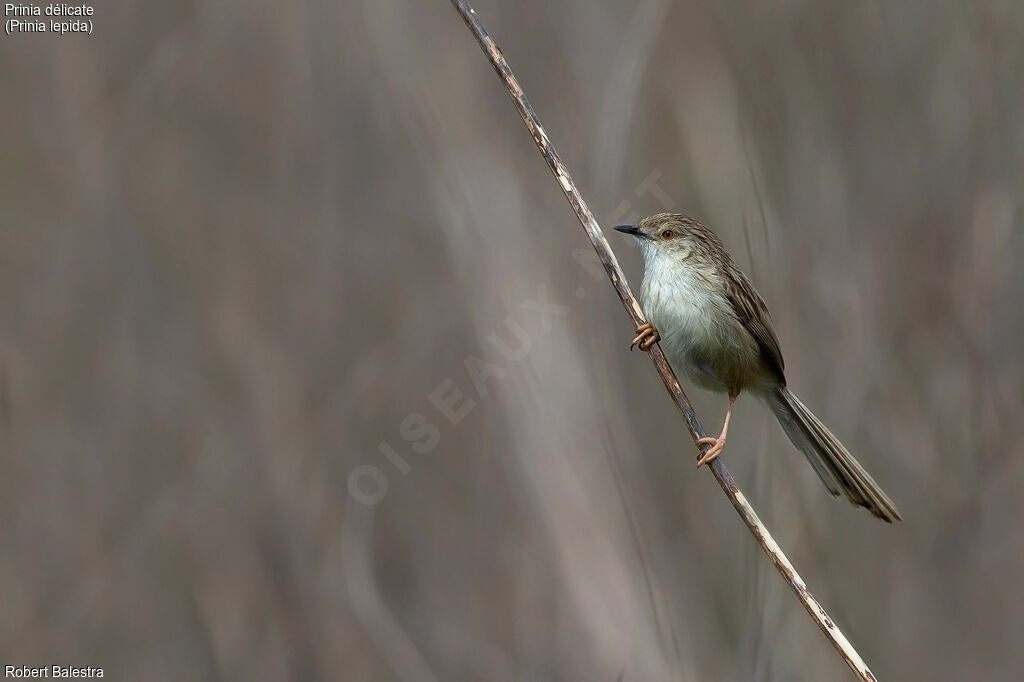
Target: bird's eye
[{"x": 668, "y": 234}]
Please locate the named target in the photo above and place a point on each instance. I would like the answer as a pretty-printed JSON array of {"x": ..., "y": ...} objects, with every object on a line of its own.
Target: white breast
[{"x": 697, "y": 325}]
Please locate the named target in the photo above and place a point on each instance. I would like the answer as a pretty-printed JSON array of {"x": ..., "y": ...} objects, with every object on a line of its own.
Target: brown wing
[{"x": 753, "y": 314}]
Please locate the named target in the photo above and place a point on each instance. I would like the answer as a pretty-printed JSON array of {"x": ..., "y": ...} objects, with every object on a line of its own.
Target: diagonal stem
[{"x": 618, "y": 279}]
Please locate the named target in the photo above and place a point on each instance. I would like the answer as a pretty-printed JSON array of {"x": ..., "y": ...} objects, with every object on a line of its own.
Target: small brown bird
[{"x": 715, "y": 328}]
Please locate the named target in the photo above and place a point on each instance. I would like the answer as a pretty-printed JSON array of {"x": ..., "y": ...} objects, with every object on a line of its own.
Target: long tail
[{"x": 836, "y": 467}]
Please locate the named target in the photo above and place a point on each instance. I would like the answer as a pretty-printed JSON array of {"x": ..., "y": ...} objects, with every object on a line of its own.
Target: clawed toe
[
  {"x": 717, "y": 445},
  {"x": 646, "y": 337}
]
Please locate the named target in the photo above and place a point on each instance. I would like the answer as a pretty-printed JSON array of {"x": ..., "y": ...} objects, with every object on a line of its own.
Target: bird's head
[{"x": 670, "y": 235}]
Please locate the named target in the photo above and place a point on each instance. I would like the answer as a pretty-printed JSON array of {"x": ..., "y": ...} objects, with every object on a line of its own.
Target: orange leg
[
  {"x": 646, "y": 337},
  {"x": 717, "y": 444}
]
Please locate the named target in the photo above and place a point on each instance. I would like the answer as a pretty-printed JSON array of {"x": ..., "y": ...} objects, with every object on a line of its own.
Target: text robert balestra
[{"x": 55, "y": 671}]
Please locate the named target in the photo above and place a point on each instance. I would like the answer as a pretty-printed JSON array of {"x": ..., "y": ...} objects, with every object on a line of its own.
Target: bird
[{"x": 716, "y": 330}]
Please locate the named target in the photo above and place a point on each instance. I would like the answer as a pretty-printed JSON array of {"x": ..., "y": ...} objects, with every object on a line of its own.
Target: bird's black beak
[{"x": 632, "y": 230}]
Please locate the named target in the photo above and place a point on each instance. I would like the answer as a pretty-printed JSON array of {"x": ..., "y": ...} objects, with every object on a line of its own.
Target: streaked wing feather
[{"x": 752, "y": 312}]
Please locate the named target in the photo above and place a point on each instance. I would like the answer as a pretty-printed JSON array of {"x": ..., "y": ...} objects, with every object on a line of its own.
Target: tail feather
[{"x": 838, "y": 470}]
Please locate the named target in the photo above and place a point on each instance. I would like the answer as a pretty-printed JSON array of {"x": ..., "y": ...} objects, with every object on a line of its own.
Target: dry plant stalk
[{"x": 618, "y": 279}]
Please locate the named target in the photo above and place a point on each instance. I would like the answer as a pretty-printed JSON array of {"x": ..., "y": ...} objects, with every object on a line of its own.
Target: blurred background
[{"x": 306, "y": 372}]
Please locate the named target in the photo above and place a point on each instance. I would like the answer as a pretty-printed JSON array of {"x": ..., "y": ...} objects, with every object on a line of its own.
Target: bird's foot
[
  {"x": 717, "y": 445},
  {"x": 646, "y": 336}
]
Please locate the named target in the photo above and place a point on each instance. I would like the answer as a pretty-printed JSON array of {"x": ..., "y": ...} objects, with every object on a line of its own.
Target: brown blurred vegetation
[{"x": 242, "y": 242}]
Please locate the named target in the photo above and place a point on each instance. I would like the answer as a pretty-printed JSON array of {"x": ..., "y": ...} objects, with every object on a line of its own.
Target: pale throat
[{"x": 676, "y": 290}]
